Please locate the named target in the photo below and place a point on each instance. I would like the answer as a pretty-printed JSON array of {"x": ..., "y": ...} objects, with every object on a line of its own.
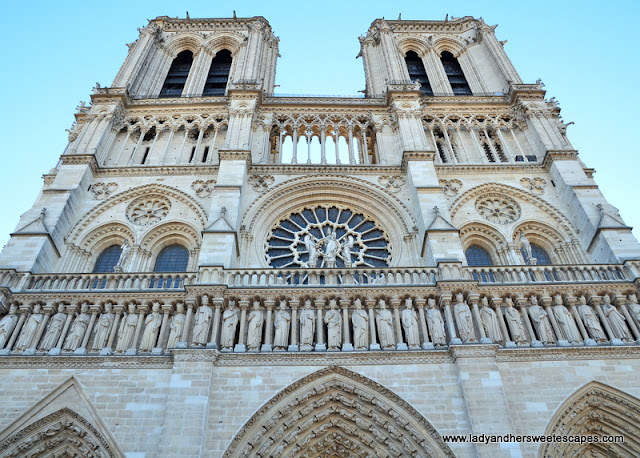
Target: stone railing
[
  {"x": 548, "y": 274},
  {"x": 331, "y": 320}
]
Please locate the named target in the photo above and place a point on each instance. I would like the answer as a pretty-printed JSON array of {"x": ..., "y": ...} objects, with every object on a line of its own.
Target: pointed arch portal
[
  {"x": 596, "y": 410},
  {"x": 336, "y": 412}
]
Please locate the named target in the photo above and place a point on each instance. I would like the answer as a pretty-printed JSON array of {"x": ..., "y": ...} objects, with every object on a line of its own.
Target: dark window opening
[
  {"x": 107, "y": 260},
  {"x": 477, "y": 256},
  {"x": 417, "y": 72},
  {"x": 193, "y": 152},
  {"x": 455, "y": 74},
  {"x": 151, "y": 133},
  {"x": 218, "y": 74},
  {"x": 206, "y": 154},
  {"x": 146, "y": 153},
  {"x": 177, "y": 76},
  {"x": 532, "y": 158},
  {"x": 173, "y": 258}
]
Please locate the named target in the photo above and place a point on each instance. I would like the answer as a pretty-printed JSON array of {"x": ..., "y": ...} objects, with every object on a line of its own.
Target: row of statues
[{"x": 346, "y": 325}]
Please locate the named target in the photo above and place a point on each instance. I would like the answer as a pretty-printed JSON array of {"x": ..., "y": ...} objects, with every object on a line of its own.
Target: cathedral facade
[{"x": 215, "y": 270}]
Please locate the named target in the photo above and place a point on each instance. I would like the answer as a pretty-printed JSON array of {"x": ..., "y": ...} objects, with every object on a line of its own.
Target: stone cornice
[
  {"x": 558, "y": 155},
  {"x": 169, "y": 24},
  {"x": 85, "y": 362},
  {"x": 473, "y": 169},
  {"x": 568, "y": 353},
  {"x": 235, "y": 155},
  {"x": 328, "y": 169},
  {"x": 80, "y": 159},
  {"x": 157, "y": 170}
]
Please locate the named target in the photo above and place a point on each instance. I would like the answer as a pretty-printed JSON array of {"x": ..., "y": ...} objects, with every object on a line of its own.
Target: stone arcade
[{"x": 214, "y": 270}]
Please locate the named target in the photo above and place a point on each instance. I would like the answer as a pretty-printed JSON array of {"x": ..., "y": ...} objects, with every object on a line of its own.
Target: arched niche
[{"x": 336, "y": 412}]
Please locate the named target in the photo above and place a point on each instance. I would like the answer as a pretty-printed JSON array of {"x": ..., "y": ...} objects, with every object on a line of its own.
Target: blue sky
[{"x": 586, "y": 55}]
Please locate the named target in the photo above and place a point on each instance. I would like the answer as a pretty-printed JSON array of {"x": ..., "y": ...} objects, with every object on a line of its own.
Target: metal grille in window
[
  {"x": 285, "y": 245},
  {"x": 107, "y": 259},
  {"x": 477, "y": 257},
  {"x": 173, "y": 258}
]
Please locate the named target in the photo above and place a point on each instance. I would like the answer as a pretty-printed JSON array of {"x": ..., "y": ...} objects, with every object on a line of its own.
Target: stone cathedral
[{"x": 215, "y": 270}]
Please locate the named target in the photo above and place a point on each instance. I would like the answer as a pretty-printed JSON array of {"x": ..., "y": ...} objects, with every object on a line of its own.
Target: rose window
[
  {"x": 498, "y": 209},
  {"x": 327, "y": 236},
  {"x": 146, "y": 211}
]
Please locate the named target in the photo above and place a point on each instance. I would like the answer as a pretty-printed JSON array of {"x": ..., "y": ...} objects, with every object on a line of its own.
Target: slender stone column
[
  {"x": 595, "y": 302},
  {"x": 320, "y": 343},
  {"x": 395, "y": 304},
  {"x": 521, "y": 303},
  {"x": 240, "y": 346},
  {"x": 95, "y": 310},
  {"x": 190, "y": 303},
  {"x": 70, "y": 310},
  {"x": 134, "y": 349},
  {"x": 474, "y": 299},
  {"x": 108, "y": 350},
  {"x": 346, "y": 335},
  {"x": 445, "y": 303},
  {"x": 496, "y": 303},
  {"x": 268, "y": 333},
  {"x": 48, "y": 310},
  {"x": 546, "y": 303},
  {"x": 162, "y": 335},
  {"x": 374, "y": 345},
  {"x": 217, "y": 302},
  {"x": 25, "y": 310},
  {"x": 426, "y": 343},
  {"x": 620, "y": 301},
  {"x": 293, "y": 346},
  {"x": 571, "y": 304}
]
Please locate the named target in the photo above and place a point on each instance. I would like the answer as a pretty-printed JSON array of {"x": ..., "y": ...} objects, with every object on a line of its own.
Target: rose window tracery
[
  {"x": 327, "y": 236},
  {"x": 148, "y": 210},
  {"x": 498, "y": 209}
]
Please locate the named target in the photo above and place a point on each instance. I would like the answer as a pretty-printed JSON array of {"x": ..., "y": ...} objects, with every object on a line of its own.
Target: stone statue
[
  {"x": 312, "y": 245},
  {"x": 346, "y": 251},
  {"x": 201, "y": 328},
  {"x": 463, "y": 319},
  {"x": 254, "y": 327},
  {"x": 616, "y": 320},
  {"x": 409, "y": 319},
  {"x": 360, "y": 321},
  {"x": 177, "y": 326},
  {"x": 333, "y": 320},
  {"x": 102, "y": 328},
  {"x": 29, "y": 329},
  {"x": 568, "y": 328},
  {"x": 282, "y": 324},
  {"x": 7, "y": 324},
  {"x": 229, "y": 324},
  {"x": 152, "y": 324},
  {"x": 384, "y": 321},
  {"x": 124, "y": 255},
  {"x": 634, "y": 307},
  {"x": 435, "y": 323},
  {"x": 514, "y": 321},
  {"x": 78, "y": 328},
  {"x": 591, "y": 321},
  {"x": 307, "y": 327},
  {"x": 490, "y": 321},
  {"x": 525, "y": 246},
  {"x": 331, "y": 248},
  {"x": 541, "y": 322},
  {"x": 54, "y": 329},
  {"x": 127, "y": 330}
]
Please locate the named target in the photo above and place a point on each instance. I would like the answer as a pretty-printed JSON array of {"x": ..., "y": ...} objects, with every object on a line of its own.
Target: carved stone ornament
[
  {"x": 498, "y": 208},
  {"x": 203, "y": 188},
  {"x": 148, "y": 210},
  {"x": 451, "y": 187},
  {"x": 534, "y": 185},
  {"x": 260, "y": 183},
  {"x": 392, "y": 183},
  {"x": 103, "y": 190}
]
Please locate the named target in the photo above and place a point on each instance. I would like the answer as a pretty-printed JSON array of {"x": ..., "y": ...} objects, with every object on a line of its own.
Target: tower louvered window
[
  {"x": 177, "y": 76},
  {"x": 218, "y": 74},
  {"x": 455, "y": 74},
  {"x": 417, "y": 72}
]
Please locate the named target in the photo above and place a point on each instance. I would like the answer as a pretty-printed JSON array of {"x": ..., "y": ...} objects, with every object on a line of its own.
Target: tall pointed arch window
[
  {"x": 177, "y": 76},
  {"x": 218, "y": 75},
  {"x": 108, "y": 259},
  {"x": 417, "y": 72},
  {"x": 455, "y": 75},
  {"x": 477, "y": 257},
  {"x": 173, "y": 258}
]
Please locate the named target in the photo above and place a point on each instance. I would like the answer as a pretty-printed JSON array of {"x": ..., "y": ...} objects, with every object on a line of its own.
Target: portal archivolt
[{"x": 336, "y": 412}]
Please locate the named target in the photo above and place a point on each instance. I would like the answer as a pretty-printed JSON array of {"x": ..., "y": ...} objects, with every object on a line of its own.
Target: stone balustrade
[
  {"x": 334, "y": 322},
  {"x": 548, "y": 274}
]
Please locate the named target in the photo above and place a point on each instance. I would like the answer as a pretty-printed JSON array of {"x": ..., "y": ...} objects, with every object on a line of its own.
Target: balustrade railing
[
  {"x": 108, "y": 281},
  {"x": 549, "y": 274}
]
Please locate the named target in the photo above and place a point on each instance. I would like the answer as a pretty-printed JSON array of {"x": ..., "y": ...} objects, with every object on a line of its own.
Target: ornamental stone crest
[
  {"x": 103, "y": 190},
  {"x": 534, "y": 185},
  {"x": 148, "y": 210},
  {"x": 203, "y": 188},
  {"x": 260, "y": 183},
  {"x": 392, "y": 183},
  {"x": 451, "y": 187},
  {"x": 498, "y": 208}
]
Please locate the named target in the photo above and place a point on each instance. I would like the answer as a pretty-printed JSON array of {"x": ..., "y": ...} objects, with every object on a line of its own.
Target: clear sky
[{"x": 586, "y": 53}]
